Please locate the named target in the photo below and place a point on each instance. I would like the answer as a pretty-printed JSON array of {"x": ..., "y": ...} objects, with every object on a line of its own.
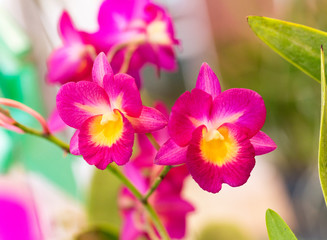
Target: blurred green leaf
[
  {"x": 298, "y": 44},
  {"x": 102, "y": 232},
  {"x": 277, "y": 228},
  {"x": 223, "y": 230},
  {"x": 102, "y": 202},
  {"x": 322, "y": 153}
]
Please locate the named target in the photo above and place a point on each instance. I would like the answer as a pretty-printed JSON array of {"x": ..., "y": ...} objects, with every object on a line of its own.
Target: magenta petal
[
  {"x": 235, "y": 172},
  {"x": 134, "y": 175},
  {"x": 208, "y": 81},
  {"x": 74, "y": 149},
  {"x": 191, "y": 110},
  {"x": 55, "y": 123},
  {"x": 18, "y": 216},
  {"x": 171, "y": 154},
  {"x": 150, "y": 120},
  {"x": 123, "y": 94},
  {"x": 76, "y": 102},
  {"x": 262, "y": 143},
  {"x": 114, "y": 16},
  {"x": 147, "y": 152},
  {"x": 174, "y": 181},
  {"x": 70, "y": 63},
  {"x": 162, "y": 108},
  {"x": 243, "y": 107},
  {"x": 67, "y": 29},
  {"x": 101, "y": 68},
  {"x": 173, "y": 211},
  {"x": 100, "y": 154},
  {"x": 129, "y": 230}
]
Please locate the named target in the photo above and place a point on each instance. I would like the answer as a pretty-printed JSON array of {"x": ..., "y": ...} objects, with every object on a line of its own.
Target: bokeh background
[{"x": 68, "y": 196}]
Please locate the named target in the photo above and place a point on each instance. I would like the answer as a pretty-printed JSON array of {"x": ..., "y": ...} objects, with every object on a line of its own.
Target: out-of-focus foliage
[
  {"x": 102, "y": 202},
  {"x": 277, "y": 228},
  {"x": 99, "y": 233},
  {"x": 223, "y": 231}
]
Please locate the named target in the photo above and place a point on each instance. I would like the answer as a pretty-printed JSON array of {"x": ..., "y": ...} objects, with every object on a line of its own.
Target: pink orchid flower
[
  {"x": 134, "y": 33},
  {"x": 74, "y": 60},
  {"x": 172, "y": 209},
  {"x": 217, "y": 134},
  {"x": 106, "y": 113}
]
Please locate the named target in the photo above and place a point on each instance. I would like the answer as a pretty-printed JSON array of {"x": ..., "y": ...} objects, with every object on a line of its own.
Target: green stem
[
  {"x": 49, "y": 137},
  {"x": 154, "y": 217},
  {"x": 153, "y": 141},
  {"x": 156, "y": 183},
  {"x": 113, "y": 168}
]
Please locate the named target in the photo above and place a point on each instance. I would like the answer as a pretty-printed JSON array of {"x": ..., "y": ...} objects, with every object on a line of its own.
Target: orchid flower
[
  {"x": 172, "y": 209},
  {"x": 74, "y": 60},
  {"x": 134, "y": 33},
  {"x": 106, "y": 113},
  {"x": 216, "y": 134}
]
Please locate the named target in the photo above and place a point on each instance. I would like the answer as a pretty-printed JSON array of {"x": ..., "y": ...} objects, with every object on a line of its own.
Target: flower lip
[
  {"x": 107, "y": 129},
  {"x": 218, "y": 146},
  {"x": 231, "y": 162}
]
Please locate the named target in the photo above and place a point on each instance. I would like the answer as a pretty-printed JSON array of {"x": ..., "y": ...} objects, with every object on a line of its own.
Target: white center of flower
[
  {"x": 109, "y": 116},
  {"x": 157, "y": 33},
  {"x": 214, "y": 134}
]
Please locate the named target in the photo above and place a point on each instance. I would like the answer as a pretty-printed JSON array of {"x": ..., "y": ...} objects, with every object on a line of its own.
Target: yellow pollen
[
  {"x": 218, "y": 146},
  {"x": 107, "y": 129}
]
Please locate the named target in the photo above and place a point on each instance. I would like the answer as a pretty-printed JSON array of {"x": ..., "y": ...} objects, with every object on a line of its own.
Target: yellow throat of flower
[
  {"x": 218, "y": 146},
  {"x": 107, "y": 129}
]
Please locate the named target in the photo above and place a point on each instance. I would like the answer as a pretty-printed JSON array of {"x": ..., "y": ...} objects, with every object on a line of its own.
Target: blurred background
[{"x": 63, "y": 195}]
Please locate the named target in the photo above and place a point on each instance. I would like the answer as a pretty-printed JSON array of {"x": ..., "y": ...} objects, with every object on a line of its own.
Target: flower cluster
[
  {"x": 131, "y": 34},
  {"x": 213, "y": 135}
]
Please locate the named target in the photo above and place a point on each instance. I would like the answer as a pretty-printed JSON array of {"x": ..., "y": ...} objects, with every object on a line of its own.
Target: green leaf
[
  {"x": 298, "y": 44},
  {"x": 277, "y": 228},
  {"x": 322, "y": 152}
]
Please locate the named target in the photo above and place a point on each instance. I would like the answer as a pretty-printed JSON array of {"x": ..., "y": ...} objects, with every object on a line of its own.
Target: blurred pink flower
[
  {"x": 73, "y": 61},
  {"x": 106, "y": 113},
  {"x": 172, "y": 209},
  {"x": 217, "y": 134},
  {"x": 134, "y": 33},
  {"x": 18, "y": 216},
  {"x": 166, "y": 200}
]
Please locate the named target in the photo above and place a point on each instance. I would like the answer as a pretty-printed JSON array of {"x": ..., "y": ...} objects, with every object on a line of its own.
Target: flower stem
[
  {"x": 113, "y": 168},
  {"x": 156, "y": 183},
  {"x": 154, "y": 217},
  {"x": 49, "y": 136},
  {"x": 153, "y": 141}
]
